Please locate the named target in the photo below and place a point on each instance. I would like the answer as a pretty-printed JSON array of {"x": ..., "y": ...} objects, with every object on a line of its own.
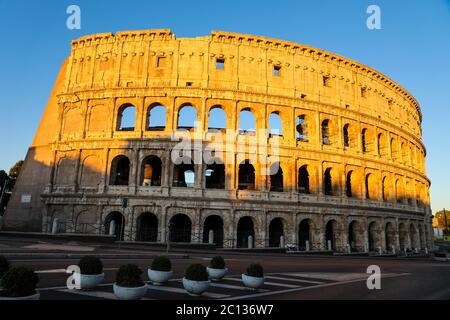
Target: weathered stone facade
[{"x": 350, "y": 150}]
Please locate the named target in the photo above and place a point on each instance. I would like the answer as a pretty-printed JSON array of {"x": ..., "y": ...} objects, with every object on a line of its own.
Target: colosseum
[{"x": 344, "y": 139}]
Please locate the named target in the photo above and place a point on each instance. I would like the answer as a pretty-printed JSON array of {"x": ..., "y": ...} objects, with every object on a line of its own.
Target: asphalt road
[{"x": 288, "y": 277}]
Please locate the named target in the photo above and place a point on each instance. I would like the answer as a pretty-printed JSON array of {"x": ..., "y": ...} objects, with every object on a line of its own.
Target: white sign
[{"x": 26, "y": 198}]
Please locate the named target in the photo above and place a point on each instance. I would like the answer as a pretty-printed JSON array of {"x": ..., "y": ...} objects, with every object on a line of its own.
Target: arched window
[
  {"x": 187, "y": 117},
  {"x": 303, "y": 180},
  {"x": 346, "y": 136},
  {"x": 246, "y": 179},
  {"x": 151, "y": 171},
  {"x": 381, "y": 144},
  {"x": 156, "y": 118},
  {"x": 301, "y": 128},
  {"x": 215, "y": 175},
  {"x": 326, "y": 132},
  {"x": 327, "y": 183},
  {"x": 363, "y": 140},
  {"x": 247, "y": 122},
  {"x": 398, "y": 191},
  {"x": 275, "y": 125},
  {"x": 184, "y": 174},
  {"x": 383, "y": 189},
  {"x": 217, "y": 118},
  {"x": 126, "y": 118},
  {"x": 348, "y": 184},
  {"x": 367, "y": 182},
  {"x": 120, "y": 171},
  {"x": 276, "y": 178}
]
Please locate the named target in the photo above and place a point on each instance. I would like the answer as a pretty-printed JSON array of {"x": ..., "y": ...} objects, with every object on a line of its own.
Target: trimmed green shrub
[
  {"x": 197, "y": 272},
  {"x": 129, "y": 276},
  {"x": 90, "y": 265},
  {"x": 161, "y": 263},
  {"x": 255, "y": 270},
  {"x": 4, "y": 266},
  {"x": 19, "y": 282},
  {"x": 217, "y": 263}
]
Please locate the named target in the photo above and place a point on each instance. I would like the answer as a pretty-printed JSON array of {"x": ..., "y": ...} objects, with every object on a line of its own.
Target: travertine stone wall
[{"x": 68, "y": 167}]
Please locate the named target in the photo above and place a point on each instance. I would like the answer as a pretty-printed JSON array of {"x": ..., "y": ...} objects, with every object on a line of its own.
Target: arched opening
[
  {"x": 374, "y": 237},
  {"x": 244, "y": 230},
  {"x": 276, "y": 178},
  {"x": 301, "y": 127},
  {"x": 346, "y": 136},
  {"x": 184, "y": 174},
  {"x": 327, "y": 183},
  {"x": 348, "y": 184},
  {"x": 180, "y": 226},
  {"x": 326, "y": 139},
  {"x": 147, "y": 227},
  {"x": 275, "y": 232},
  {"x": 113, "y": 225},
  {"x": 390, "y": 236},
  {"x": 421, "y": 238},
  {"x": 330, "y": 235},
  {"x": 151, "y": 171},
  {"x": 214, "y": 223},
  {"x": 367, "y": 187},
  {"x": 246, "y": 179},
  {"x": 403, "y": 236},
  {"x": 414, "y": 237},
  {"x": 215, "y": 175},
  {"x": 247, "y": 122},
  {"x": 384, "y": 193},
  {"x": 156, "y": 120},
  {"x": 363, "y": 140},
  {"x": 187, "y": 117},
  {"x": 217, "y": 118},
  {"x": 303, "y": 180},
  {"x": 381, "y": 145},
  {"x": 120, "y": 171},
  {"x": 398, "y": 191},
  {"x": 355, "y": 236},
  {"x": 304, "y": 234},
  {"x": 275, "y": 125},
  {"x": 126, "y": 118}
]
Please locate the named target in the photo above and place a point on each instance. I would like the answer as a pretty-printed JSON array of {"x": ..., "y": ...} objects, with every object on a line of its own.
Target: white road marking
[
  {"x": 269, "y": 283},
  {"x": 294, "y": 280},
  {"x": 229, "y": 286},
  {"x": 183, "y": 291},
  {"x": 97, "y": 294},
  {"x": 64, "y": 270}
]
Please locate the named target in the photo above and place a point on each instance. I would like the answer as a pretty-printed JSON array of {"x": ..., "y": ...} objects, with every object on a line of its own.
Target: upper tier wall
[{"x": 155, "y": 58}]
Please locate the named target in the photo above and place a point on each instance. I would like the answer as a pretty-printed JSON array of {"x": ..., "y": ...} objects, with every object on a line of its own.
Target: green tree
[
  {"x": 15, "y": 170},
  {"x": 443, "y": 221}
]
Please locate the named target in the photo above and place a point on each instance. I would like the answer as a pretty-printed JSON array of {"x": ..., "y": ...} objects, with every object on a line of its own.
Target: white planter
[
  {"x": 216, "y": 274},
  {"x": 35, "y": 296},
  {"x": 125, "y": 293},
  {"x": 195, "y": 288},
  {"x": 158, "y": 278},
  {"x": 88, "y": 281},
  {"x": 252, "y": 282},
  {"x": 443, "y": 259}
]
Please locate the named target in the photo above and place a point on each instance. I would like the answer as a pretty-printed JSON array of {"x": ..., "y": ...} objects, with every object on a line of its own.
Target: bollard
[
  {"x": 329, "y": 245},
  {"x": 250, "y": 242},
  {"x": 211, "y": 237},
  {"x": 307, "y": 245},
  {"x": 281, "y": 241},
  {"x": 380, "y": 252},
  {"x": 416, "y": 250},
  {"x": 426, "y": 250},
  {"x": 112, "y": 228},
  {"x": 366, "y": 247},
  {"x": 404, "y": 249},
  {"x": 55, "y": 226},
  {"x": 349, "y": 248},
  {"x": 393, "y": 249}
]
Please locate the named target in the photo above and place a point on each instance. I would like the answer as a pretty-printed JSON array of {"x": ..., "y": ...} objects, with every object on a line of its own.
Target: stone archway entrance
[
  {"x": 113, "y": 224},
  {"x": 147, "y": 227},
  {"x": 304, "y": 234},
  {"x": 180, "y": 228},
  {"x": 275, "y": 232},
  {"x": 245, "y": 229},
  {"x": 214, "y": 223}
]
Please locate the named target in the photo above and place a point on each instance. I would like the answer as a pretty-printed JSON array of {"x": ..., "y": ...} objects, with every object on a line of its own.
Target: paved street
[{"x": 287, "y": 276}]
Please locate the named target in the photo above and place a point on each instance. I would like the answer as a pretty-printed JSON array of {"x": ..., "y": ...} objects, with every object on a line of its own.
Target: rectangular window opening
[
  {"x": 188, "y": 84},
  {"x": 276, "y": 71},
  {"x": 161, "y": 62},
  {"x": 326, "y": 81}
]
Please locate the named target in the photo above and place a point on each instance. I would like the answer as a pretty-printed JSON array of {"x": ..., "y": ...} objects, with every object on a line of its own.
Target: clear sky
[{"x": 413, "y": 48}]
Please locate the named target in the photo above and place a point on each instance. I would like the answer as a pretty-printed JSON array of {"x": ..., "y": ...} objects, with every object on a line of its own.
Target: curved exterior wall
[{"x": 68, "y": 174}]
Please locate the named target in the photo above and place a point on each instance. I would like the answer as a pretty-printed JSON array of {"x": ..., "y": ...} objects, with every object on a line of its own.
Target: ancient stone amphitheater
[{"x": 346, "y": 138}]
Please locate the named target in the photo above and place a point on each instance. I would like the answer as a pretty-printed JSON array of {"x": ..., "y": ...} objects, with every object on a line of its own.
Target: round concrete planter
[
  {"x": 88, "y": 281},
  {"x": 35, "y": 296},
  {"x": 129, "y": 293},
  {"x": 252, "y": 282},
  {"x": 216, "y": 274},
  {"x": 158, "y": 278},
  {"x": 195, "y": 288}
]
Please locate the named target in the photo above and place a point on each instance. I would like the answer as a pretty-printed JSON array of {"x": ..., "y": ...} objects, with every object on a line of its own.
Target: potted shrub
[
  {"x": 216, "y": 268},
  {"x": 160, "y": 270},
  {"x": 91, "y": 272},
  {"x": 254, "y": 278},
  {"x": 4, "y": 267},
  {"x": 129, "y": 284},
  {"x": 19, "y": 283},
  {"x": 196, "y": 280}
]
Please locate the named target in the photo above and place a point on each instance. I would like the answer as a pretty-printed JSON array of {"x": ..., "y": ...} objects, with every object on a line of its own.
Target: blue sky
[{"x": 413, "y": 48}]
